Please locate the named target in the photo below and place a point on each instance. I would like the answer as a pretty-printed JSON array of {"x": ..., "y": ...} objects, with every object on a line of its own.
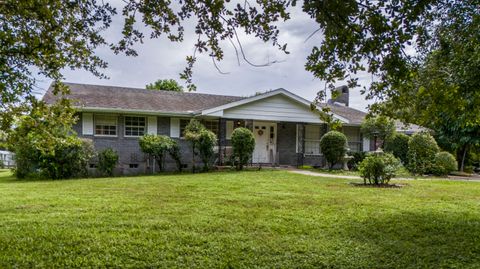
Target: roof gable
[{"x": 279, "y": 105}]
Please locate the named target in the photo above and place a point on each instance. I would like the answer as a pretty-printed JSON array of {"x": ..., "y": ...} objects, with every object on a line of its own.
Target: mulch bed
[{"x": 378, "y": 185}]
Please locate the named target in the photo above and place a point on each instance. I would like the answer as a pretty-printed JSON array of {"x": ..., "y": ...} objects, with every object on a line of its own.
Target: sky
[{"x": 162, "y": 59}]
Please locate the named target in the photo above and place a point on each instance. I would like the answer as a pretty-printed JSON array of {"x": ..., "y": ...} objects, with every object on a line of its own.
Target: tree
[
  {"x": 3, "y": 140},
  {"x": 165, "y": 85},
  {"x": 45, "y": 144},
  {"x": 379, "y": 127},
  {"x": 46, "y": 36},
  {"x": 442, "y": 91},
  {"x": 358, "y": 35}
]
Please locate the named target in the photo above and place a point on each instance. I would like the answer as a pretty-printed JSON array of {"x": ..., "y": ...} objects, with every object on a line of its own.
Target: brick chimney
[{"x": 342, "y": 93}]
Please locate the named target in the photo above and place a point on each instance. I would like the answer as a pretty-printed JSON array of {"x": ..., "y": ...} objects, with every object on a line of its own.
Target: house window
[
  {"x": 183, "y": 124},
  {"x": 211, "y": 125},
  {"x": 312, "y": 139},
  {"x": 105, "y": 125},
  {"x": 135, "y": 126},
  {"x": 232, "y": 125},
  {"x": 353, "y": 137}
]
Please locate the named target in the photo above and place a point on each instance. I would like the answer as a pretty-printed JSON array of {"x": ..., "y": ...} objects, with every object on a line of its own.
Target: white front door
[{"x": 265, "y": 142}]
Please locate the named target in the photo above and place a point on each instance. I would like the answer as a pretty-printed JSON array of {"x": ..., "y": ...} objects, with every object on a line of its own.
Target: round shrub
[
  {"x": 243, "y": 143},
  {"x": 107, "y": 160},
  {"x": 422, "y": 148},
  {"x": 445, "y": 163},
  {"x": 379, "y": 168},
  {"x": 334, "y": 146},
  {"x": 206, "y": 141},
  {"x": 398, "y": 146}
]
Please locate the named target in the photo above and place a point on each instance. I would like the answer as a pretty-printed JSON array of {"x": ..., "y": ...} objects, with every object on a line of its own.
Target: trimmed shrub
[
  {"x": 107, "y": 160},
  {"x": 2, "y": 165},
  {"x": 158, "y": 146},
  {"x": 379, "y": 168},
  {"x": 334, "y": 146},
  {"x": 422, "y": 148},
  {"x": 398, "y": 146},
  {"x": 243, "y": 143},
  {"x": 206, "y": 141},
  {"x": 358, "y": 157},
  {"x": 445, "y": 163}
]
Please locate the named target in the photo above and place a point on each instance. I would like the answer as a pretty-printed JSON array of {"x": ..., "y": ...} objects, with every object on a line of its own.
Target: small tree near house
[
  {"x": 206, "y": 143},
  {"x": 334, "y": 146},
  {"x": 158, "y": 146},
  {"x": 243, "y": 143},
  {"x": 203, "y": 142},
  {"x": 378, "y": 127}
]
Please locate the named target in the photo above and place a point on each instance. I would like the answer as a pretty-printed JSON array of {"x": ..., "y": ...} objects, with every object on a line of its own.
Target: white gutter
[{"x": 139, "y": 111}]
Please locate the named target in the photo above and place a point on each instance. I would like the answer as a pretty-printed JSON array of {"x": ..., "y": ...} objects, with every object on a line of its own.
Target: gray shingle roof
[
  {"x": 112, "y": 97},
  {"x": 353, "y": 115}
]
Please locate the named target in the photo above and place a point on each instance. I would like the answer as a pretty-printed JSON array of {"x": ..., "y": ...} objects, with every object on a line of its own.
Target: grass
[
  {"x": 238, "y": 219},
  {"x": 401, "y": 173}
]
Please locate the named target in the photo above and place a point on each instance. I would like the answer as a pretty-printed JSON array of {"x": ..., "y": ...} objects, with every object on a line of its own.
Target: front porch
[{"x": 276, "y": 143}]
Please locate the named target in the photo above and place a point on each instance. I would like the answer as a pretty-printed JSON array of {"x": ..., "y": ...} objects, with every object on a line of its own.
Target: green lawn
[{"x": 245, "y": 219}]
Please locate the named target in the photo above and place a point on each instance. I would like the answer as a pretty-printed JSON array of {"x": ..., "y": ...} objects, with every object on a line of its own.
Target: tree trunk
[{"x": 464, "y": 155}]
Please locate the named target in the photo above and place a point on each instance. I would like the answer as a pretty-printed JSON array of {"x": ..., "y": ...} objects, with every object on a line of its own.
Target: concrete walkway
[{"x": 318, "y": 174}]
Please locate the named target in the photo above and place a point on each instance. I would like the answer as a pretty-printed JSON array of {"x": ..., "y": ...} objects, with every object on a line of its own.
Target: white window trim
[
  {"x": 312, "y": 140},
  {"x": 125, "y": 126},
  {"x": 174, "y": 127},
  {"x": 180, "y": 133},
  {"x": 204, "y": 121},
  {"x": 95, "y": 125}
]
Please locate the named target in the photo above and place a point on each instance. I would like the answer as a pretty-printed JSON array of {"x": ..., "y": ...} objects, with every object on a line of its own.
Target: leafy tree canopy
[
  {"x": 359, "y": 35},
  {"x": 380, "y": 126},
  {"x": 442, "y": 92},
  {"x": 165, "y": 85}
]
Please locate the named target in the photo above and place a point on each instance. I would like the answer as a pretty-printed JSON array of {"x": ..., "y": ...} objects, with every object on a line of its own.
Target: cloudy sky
[{"x": 161, "y": 59}]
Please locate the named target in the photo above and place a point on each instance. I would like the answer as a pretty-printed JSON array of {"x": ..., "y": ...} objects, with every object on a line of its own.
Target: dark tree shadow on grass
[{"x": 418, "y": 240}]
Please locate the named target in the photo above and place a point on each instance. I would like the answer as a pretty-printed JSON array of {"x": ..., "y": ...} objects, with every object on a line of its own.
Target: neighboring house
[
  {"x": 7, "y": 158},
  {"x": 286, "y": 131}
]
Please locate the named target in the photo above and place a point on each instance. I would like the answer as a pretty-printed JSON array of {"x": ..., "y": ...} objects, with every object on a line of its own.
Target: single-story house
[{"x": 286, "y": 131}]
